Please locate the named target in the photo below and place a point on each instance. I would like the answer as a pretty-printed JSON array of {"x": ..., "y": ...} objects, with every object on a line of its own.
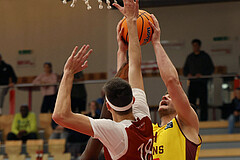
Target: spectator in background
[
  {"x": 94, "y": 110},
  {"x": 235, "y": 116},
  {"x": 78, "y": 94},
  {"x": 100, "y": 101},
  {"x": 59, "y": 132},
  {"x": 24, "y": 125},
  {"x": 8, "y": 78},
  {"x": 49, "y": 92},
  {"x": 198, "y": 64}
]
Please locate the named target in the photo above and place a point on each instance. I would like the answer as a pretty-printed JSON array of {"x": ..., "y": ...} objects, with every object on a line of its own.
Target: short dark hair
[
  {"x": 48, "y": 63},
  {"x": 199, "y": 42},
  {"x": 24, "y": 106},
  {"x": 118, "y": 92}
]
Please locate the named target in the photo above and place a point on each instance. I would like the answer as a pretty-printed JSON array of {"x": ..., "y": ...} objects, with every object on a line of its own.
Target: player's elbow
[
  {"x": 172, "y": 81},
  {"x": 59, "y": 117}
]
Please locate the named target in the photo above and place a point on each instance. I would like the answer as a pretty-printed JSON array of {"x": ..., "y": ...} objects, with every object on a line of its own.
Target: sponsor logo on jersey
[{"x": 169, "y": 125}]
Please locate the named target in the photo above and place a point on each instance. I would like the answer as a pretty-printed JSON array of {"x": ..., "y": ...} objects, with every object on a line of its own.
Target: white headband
[{"x": 116, "y": 108}]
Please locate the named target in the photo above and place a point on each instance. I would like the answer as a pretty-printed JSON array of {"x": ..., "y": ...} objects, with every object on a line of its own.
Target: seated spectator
[
  {"x": 49, "y": 92},
  {"x": 235, "y": 116},
  {"x": 94, "y": 110},
  {"x": 24, "y": 125},
  {"x": 59, "y": 132}
]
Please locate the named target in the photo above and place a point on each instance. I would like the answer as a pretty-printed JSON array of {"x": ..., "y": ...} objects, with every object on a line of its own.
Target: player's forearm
[
  {"x": 63, "y": 102},
  {"x": 167, "y": 70},
  {"x": 134, "y": 45},
  {"x": 121, "y": 58},
  {"x": 92, "y": 150},
  {"x": 135, "y": 74}
]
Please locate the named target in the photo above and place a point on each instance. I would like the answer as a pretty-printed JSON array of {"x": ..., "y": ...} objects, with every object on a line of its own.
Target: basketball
[{"x": 144, "y": 29}]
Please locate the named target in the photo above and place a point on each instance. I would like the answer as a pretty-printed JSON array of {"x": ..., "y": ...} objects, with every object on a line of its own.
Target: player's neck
[
  {"x": 166, "y": 119},
  {"x": 119, "y": 118}
]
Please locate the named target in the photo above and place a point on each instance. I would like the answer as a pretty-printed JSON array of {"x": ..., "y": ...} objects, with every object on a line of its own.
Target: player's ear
[
  {"x": 108, "y": 107},
  {"x": 133, "y": 99}
]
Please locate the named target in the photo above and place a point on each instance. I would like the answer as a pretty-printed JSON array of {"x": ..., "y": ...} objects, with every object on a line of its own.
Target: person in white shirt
[{"x": 129, "y": 134}]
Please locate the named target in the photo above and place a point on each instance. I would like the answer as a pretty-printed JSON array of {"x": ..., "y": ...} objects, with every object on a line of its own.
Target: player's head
[
  {"x": 119, "y": 96},
  {"x": 196, "y": 44},
  {"x": 166, "y": 107}
]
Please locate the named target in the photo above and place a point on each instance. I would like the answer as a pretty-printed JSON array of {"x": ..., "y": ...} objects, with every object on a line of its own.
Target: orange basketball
[{"x": 144, "y": 29}]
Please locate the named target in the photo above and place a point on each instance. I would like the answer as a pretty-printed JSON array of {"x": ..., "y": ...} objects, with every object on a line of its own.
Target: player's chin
[
  {"x": 162, "y": 107},
  {"x": 163, "y": 111}
]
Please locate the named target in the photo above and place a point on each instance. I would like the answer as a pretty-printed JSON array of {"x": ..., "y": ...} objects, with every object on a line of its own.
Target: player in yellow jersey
[{"x": 177, "y": 137}]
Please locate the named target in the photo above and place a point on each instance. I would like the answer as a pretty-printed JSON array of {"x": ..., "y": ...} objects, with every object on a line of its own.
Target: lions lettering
[{"x": 158, "y": 150}]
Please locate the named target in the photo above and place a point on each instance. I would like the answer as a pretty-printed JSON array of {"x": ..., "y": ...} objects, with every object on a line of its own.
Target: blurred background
[{"x": 36, "y": 33}]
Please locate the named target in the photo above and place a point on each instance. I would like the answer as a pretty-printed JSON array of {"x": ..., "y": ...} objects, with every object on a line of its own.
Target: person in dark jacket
[
  {"x": 7, "y": 79},
  {"x": 198, "y": 64}
]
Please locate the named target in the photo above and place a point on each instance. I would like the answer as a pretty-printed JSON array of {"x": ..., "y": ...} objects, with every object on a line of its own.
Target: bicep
[
  {"x": 77, "y": 122},
  {"x": 186, "y": 113}
]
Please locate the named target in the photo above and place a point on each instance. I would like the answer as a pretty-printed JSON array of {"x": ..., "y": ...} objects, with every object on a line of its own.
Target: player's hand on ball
[
  {"x": 122, "y": 46},
  {"x": 130, "y": 9},
  {"x": 78, "y": 60},
  {"x": 156, "y": 30}
]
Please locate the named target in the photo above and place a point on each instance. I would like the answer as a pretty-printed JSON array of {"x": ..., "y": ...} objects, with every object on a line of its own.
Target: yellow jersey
[{"x": 169, "y": 143}]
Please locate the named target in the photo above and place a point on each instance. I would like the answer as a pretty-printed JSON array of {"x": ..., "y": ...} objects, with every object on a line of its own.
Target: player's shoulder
[
  {"x": 139, "y": 94},
  {"x": 138, "y": 90}
]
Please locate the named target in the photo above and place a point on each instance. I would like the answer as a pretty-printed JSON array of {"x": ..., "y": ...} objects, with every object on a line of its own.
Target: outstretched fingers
[
  {"x": 74, "y": 51},
  {"x": 85, "y": 65},
  {"x": 155, "y": 21},
  {"x": 80, "y": 52},
  {"x": 120, "y": 8},
  {"x": 85, "y": 57},
  {"x": 152, "y": 25}
]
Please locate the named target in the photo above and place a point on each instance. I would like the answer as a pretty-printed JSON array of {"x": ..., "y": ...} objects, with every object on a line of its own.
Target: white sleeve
[
  {"x": 140, "y": 106},
  {"x": 113, "y": 135}
]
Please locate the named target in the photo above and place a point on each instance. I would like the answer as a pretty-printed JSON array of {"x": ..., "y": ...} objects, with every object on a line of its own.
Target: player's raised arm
[
  {"x": 185, "y": 112},
  {"x": 130, "y": 11},
  {"x": 122, "y": 47},
  {"x": 94, "y": 146},
  {"x": 62, "y": 112}
]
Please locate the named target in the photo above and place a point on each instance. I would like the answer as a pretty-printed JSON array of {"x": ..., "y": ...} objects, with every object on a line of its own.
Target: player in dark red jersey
[{"x": 129, "y": 135}]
